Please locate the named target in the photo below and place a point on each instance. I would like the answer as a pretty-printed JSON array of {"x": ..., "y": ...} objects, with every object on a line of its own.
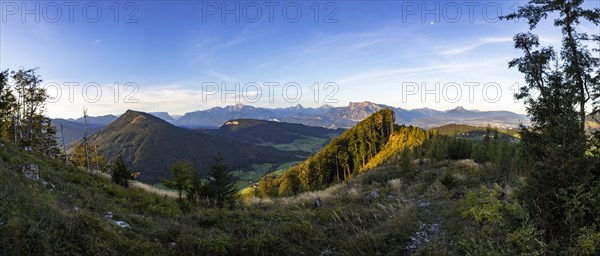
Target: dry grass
[
  {"x": 308, "y": 198},
  {"x": 153, "y": 190},
  {"x": 143, "y": 186},
  {"x": 468, "y": 164},
  {"x": 396, "y": 186}
]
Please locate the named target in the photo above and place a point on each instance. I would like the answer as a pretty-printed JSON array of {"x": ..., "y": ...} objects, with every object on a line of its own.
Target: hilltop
[{"x": 151, "y": 145}]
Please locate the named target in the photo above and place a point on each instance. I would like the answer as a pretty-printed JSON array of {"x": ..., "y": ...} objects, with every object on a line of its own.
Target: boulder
[{"x": 122, "y": 224}]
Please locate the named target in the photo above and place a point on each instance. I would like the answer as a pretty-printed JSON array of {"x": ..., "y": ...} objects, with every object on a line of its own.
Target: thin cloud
[
  {"x": 476, "y": 44},
  {"x": 386, "y": 73}
]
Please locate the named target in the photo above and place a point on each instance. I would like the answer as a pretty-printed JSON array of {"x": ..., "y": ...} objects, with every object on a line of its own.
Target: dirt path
[{"x": 428, "y": 231}]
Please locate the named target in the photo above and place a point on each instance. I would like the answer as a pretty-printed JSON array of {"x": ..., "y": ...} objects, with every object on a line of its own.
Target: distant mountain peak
[
  {"x": 458, "y": 109},
  {"x": 362, "y": 103},
  {"x": 238, "y": 107},
  {"x": 365, "y": 105},
  {"x": 163, "y": 115}
]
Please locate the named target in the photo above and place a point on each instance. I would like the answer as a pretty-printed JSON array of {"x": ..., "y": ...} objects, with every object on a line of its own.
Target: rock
[
  {"x": 30, "y": 171},
  {"x": 374, "y": 194},
  {"x": 327, "y": 252},
  {"x": 108, "y": 215},
  {"x": 424, "y": 204},
  {"x": 317, "y": 203},
  {"x": 173, "y": 244},
  {"x": 122, "y": 224}
]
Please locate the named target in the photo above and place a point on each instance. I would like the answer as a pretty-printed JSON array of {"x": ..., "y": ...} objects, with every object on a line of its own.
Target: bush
[{"x": 448, "y": 180}]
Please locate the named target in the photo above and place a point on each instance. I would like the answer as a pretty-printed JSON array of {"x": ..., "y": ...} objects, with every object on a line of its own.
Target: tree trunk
[{"x": 578, "y": 73}]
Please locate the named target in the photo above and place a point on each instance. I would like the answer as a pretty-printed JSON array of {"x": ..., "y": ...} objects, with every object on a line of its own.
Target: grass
[
  {"x": 259, "y": 170},
  {"x": 375, "y": 213}
]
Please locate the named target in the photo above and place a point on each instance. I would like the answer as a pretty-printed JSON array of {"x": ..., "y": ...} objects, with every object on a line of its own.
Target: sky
[{"x": 182, "y": 56}]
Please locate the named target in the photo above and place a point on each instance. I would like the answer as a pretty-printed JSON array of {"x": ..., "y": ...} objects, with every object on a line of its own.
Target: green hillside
[
  {"x": 67, "y": 217},
  {"x": 402, "y": 138},
  {"x": 340, "y": 159},
  {"x": 281, "y": 135},
  {"x": 151, "y": 145}
]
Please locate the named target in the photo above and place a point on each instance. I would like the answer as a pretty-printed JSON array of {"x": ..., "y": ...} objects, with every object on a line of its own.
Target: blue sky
[{"x": 387, "y": 52}]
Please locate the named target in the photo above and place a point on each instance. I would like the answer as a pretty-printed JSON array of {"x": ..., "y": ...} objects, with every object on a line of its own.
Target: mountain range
[
  {"x": 344, "y": 117},
  {"x": 324, "y": 116}
]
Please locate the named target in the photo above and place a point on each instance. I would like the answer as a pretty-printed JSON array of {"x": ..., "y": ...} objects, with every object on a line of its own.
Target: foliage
[
  {"x": 343, "y": 156},
  {"x": 557, "y": 194},
  {"x": 121, "y": 173},
  {"x": 221, "y": 186},
  {"x": 404, "y": 137},
  {"x": 22, "y": 105},
  {"x": 182, "y": 178},
  {"x": 78, "y": 156}
]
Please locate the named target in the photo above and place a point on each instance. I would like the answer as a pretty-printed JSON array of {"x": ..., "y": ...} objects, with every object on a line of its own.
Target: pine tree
[
  {"x": 197, "y": 187},
  {"x": 121, "y": 174},
  {"x": 182, "y": 178},
  {"x": 405, "y": 161},
  {"x": 578, "y": 64},
  {"x": 221, "y": 184},
  {"x": 3, "y": 101},
  {"x": 31, "y": 104},
  {"x": 554, "y": 146},
  {"x": 8, "y": 109}
]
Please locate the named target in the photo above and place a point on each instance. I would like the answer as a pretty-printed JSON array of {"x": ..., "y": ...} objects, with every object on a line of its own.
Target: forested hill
[
  {"x": 262, "y": 131},
  {"x": 376, "y": 141},
  {"x": 341, "y": 158},
  {"x": 152, "y": 145}
]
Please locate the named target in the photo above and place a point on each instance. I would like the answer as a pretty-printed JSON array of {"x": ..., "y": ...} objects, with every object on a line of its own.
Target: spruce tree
[
  {"x": 556, "y": 93},
  {"x": 3, "y": 102},
  {"x": 579, "y": 67},
  {"x": 120, "y": 172},
  {"x": 221, "y": 184},
  {"x": 182, "y": 178}
]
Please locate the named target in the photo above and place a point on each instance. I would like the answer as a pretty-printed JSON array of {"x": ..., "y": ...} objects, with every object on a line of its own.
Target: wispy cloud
[
  {"x": 473, "y": 45},
  {"x": 98, "y": 41},
  {"x": 439, "y": 69},
  {"x": 354, "y": 41}
]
